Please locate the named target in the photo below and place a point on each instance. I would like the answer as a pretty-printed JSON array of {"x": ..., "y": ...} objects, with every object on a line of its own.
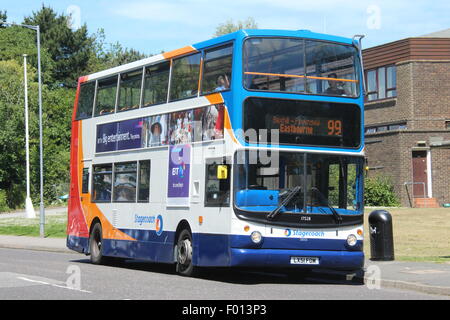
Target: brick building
[{"x": 407, "y": 116}]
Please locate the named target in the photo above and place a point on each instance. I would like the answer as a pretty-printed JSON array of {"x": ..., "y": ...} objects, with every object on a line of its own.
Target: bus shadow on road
[
  {"x": 271, "y": 276},
  {"x": 245, "y": 276}
]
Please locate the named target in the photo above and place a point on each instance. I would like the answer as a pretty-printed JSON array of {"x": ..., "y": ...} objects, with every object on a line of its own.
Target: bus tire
[
  {"x": 184, "y": 254},
  {"x": 95, "y": 245}
]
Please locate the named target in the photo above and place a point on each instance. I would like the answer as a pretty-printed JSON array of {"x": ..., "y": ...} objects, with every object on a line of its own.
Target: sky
[{"x": 152, "y": 26}]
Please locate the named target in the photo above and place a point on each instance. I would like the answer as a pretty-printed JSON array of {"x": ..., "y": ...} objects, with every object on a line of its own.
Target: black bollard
[{"x": 381, "y": 236}]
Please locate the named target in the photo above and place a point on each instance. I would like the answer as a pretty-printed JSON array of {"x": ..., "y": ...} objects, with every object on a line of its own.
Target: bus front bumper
[{"x": 348, "y": 260}]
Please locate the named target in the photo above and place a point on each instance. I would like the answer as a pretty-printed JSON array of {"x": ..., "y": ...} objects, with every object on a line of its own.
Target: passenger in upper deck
[
  {"x": 336, "y": 87},
  {"x": 222, "y": 83}
]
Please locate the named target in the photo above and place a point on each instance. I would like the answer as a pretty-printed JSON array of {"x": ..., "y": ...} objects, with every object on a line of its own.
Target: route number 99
[{"x": 334, "y": 127}]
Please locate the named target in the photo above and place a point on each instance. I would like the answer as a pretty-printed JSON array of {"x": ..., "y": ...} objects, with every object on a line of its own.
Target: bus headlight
[
  {"x": 256, "y": 237},
  {"x": 351, "y": 240}
]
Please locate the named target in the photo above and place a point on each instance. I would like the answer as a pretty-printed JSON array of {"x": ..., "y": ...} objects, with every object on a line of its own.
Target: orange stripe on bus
[
  {"x": 227, "y": 126},
  {"x": 215, "y": 98},
  {"x": 178, "y": 52},
  {"x": 298, "y": 76}
]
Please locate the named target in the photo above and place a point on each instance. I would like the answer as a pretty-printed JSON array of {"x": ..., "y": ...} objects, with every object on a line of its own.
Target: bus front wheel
[{"x": 184, "y": 250}]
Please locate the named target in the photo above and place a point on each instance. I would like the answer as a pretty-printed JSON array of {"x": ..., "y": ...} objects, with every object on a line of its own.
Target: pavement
[{"x": 431, "y": 278}]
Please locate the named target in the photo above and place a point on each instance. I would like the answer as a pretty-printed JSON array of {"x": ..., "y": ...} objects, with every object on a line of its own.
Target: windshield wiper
[
  {"x": 322, "y": 198},
  {"x": 285, "y": 202}
]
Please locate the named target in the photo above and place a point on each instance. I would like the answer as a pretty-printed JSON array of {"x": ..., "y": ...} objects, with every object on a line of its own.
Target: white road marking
[{"x": 52, "y": 284}]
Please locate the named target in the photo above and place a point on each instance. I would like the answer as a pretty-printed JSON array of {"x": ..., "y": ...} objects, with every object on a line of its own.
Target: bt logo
[{"x": 179, "y": 171}]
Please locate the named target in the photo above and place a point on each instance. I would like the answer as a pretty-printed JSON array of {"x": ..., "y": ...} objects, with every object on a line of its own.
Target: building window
[
  {"x": 447, "y": 124},
  {"x": 381, "y": 83},
  {"x": 383, "y": 128}
]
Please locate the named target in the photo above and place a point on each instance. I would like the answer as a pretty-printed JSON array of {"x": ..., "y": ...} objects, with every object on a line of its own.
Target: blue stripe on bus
[
  {"x": 228, "y": 250},
  {"x": 349, "y": 260}
]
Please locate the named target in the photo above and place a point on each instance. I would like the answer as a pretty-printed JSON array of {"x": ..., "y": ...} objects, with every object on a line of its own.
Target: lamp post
[
  {"x": 28, "y": 203},
  {"x": 41, "y": 159}
]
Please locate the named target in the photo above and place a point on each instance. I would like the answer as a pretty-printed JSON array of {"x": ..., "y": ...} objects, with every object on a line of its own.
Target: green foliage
[
  {"x": 12, "y": 129},
  {"x": 65, "y": 56},
  {"x": 379, "y": 191},
  {"x": 16, "y": 41},
  {"x": 229, "y": 26},
  {"x": 3, "y": 201},
  {"x": 70, "y": 50},
  {"x": 112, "y": 54}
]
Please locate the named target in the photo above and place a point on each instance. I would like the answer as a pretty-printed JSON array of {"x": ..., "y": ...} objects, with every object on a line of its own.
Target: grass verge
[
  {"x": 420, "y": 234},
  {"x": 55, "y": 226}
]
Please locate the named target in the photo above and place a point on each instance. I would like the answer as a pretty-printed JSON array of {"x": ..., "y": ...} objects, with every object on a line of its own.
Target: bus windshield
[
  {"x": 301, "y": 66},
  {"x": 322, "y": 183}
]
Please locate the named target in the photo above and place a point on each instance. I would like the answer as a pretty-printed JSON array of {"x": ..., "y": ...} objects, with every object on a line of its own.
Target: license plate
[{"x": 304, "y": 260}]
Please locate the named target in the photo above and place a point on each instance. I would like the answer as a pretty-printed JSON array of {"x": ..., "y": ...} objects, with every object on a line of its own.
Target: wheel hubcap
[{"x": 184, "y": 252}]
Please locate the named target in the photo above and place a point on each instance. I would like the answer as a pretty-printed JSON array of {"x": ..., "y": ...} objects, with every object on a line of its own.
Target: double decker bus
[{"x": 243, "y": 150}]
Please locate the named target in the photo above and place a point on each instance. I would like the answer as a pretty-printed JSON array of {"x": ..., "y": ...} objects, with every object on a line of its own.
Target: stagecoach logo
[
  {"x": 304, "y": 234},
  {"x": 158, "y": 221},
  {"x": 159, "y": 225}
]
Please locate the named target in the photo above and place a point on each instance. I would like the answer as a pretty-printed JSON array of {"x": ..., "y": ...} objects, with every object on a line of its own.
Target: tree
[
  {"x": 15, "y": 41},
  {"x": 70, "y": 50},
  {"x": 65, "y": 56},
  {"x": 229, "y": 26},
  {"x": 109, "y": 55},
  {"x": 12, "y": 150}
]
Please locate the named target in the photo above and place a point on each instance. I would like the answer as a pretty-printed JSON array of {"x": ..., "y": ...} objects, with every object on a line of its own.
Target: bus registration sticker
[{"x": 305, "y": 260}]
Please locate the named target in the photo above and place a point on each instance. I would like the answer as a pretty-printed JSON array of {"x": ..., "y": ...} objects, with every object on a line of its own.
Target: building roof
[
  {"x": 438, "y": 34},
  {"x": 434, "y": 46}
]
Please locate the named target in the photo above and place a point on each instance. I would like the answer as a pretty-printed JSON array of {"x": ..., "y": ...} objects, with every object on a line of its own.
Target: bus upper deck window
[
  {"x": 85, "y": 100},
  {"x": 130, "y": 90},
  {"x": 106, "y": 96},
  {"x": 156, "y": 84},
  {"x": 217, "y": 69},
  {"x": 185, "y": 75}
]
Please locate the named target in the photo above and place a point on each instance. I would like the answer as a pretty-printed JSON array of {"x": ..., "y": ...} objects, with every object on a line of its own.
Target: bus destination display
[{"x": 305, "y": 125}]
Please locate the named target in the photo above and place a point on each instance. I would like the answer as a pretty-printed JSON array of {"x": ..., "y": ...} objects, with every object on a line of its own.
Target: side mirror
[{"x": 222, "y": 172}]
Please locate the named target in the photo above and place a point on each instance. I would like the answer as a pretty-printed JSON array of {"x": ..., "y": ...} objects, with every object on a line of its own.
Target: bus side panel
[
  {"x": 149, "y": 246},
  {"x": 211, "y": 250}
]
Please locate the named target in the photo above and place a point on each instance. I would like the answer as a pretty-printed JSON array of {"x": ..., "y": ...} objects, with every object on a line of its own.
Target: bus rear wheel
[
  {"x": 184, "y": 253},
  {"x": 95, "y": 245}
]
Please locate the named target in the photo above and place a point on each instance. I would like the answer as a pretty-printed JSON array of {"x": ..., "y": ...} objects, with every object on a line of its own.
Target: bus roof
[{"x": 241, "y": 34}]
